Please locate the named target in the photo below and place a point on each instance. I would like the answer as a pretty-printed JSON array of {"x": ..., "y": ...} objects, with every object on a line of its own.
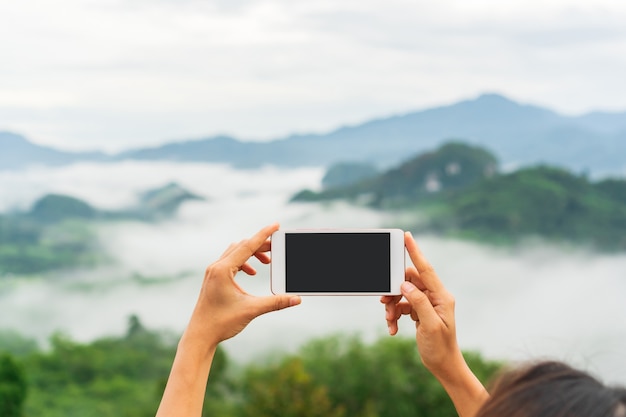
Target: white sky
[{"x": 117, "y": 74}]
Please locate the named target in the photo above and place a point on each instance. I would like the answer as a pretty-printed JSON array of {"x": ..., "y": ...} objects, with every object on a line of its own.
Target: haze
[{"x": 532, "y": 301}]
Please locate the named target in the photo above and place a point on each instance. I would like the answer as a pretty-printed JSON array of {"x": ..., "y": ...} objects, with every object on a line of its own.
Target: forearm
[
  {"x": 186, "y": 385},
  {"x": 465, "y": 390}
]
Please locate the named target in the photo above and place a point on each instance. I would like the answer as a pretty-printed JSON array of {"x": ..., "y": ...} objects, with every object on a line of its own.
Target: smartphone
[{"x": 337, "y": 261}]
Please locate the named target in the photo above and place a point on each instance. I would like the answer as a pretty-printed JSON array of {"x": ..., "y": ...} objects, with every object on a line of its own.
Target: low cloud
[{"x": 517, "y": 303}]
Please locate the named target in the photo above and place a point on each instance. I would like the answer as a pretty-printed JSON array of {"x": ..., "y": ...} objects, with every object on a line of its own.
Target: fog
[{"x": 532, "y": 301}]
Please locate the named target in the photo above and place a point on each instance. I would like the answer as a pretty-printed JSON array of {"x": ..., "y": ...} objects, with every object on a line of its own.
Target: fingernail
[
  {"x": 294, "y": 301},
  {"x": 407, "y": 287}
]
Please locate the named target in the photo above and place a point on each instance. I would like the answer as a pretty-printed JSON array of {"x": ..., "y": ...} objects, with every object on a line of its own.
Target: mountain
[
  {"x": 347, "y": 173},
  {"x": 55, "y": 233},
  {"x": 518, "y": 134},
  {"x": 162, "y": 202},
  {"x": 450, "y": 167},
  {"x": 540, "y": 201},
  {"x": 457, "y": 190},
  {"x": 17, "y": 152},
  {"x": 53, "y": 208}
]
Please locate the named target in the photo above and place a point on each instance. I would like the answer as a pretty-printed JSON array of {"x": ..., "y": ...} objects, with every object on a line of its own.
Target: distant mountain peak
[
  {"x": 501, "y": 101},
  {"x": 166, "y": 199},
  {"x": 494, "y": 98},
  {"x": 517, "y": 132}
]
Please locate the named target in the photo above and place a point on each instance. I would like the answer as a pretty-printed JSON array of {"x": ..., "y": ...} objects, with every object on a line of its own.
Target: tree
[
  {"x": 286, "y": 390},
  {"x": 14, "y": 343},
  {"x": 12, "y": 387},
  {"x": 384, "y": 379}
]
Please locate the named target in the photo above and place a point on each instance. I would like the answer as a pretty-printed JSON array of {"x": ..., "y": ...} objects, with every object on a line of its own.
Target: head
[{"x": 553, "y": 389}]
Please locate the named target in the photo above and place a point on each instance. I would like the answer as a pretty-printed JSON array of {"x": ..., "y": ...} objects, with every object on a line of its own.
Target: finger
[
  {"x": 234, "y": 245},
  {"x": 228, "y": 250},
  {"x": 270, "y": 303},
  {"x": 390, "y": 312},
  {"x": 392, "y": 316},
  {"x": 394, "y": 310},
  {"x": 385, "y": 299},
  {"x": 412, "y": 275},
  {"x": 265, "y": 247},
  {"x": 261, "y": 253},
  {"x": 241, "y": 252},
  {"x": 425, "y": 271},
  {"x": 248, "y": 269},
  {"x": 391, "y": 306},
  {"x": 420, "y": 303},
  {"x": 263, "y": 257},
  {"x": 401, "y": 309},
  {"x": 392, "y": 327}
]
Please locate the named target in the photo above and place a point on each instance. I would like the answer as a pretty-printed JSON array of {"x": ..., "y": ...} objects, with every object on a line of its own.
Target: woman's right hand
[{"x": 431, "y": 306}]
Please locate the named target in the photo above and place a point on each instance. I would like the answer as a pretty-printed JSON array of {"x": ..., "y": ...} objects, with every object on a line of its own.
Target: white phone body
[{"x": 337, "y": 261}]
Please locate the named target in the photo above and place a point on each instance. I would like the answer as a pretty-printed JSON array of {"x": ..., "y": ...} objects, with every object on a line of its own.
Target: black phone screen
[{"x": 337, "y": 262}]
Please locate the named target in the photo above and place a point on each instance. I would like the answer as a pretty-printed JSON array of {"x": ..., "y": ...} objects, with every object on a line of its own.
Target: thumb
[
  {"x": 275, "y": 302},
  {"x": 419, "y": 302}
]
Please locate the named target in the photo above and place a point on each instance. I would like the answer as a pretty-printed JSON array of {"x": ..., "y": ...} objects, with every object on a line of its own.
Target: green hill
[
  {"x": 453, "y": 166},
  {"x": 163, "y": 201},
  {"x": 56, "y": 233},
  {"x": 30, "y": 247},
  {"x": 55, "y": 207},
  {"x": 347, "y": 173},
  {"x": 541, "y": 201},
  {"x": 456, "y": 190}
]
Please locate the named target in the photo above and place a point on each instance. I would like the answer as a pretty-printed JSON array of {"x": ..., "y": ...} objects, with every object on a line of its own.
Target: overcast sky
[{"x": 117, "y": 74}]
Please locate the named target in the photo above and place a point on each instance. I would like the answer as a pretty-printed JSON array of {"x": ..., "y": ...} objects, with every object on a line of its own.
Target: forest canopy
[{"x": 335, "y": 376}]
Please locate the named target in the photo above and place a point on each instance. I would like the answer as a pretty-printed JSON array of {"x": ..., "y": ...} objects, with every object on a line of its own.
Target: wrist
[
  {"x": 202, "y": 328},
  {"x": 463, "y": 381},
  {"x": 198, "y": 342},
  {"x": 465, "y": 390}
]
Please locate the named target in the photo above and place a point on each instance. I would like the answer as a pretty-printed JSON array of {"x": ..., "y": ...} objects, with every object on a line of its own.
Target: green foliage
[
  {"x": 347, "y": 173},
  {"x": 109, "y": 377},
  {"x": 451, "y": 166},
  {"x": 56, "y": 232},
  {"x": 12, "y": 387},
  {"x": 53, "y": 208},
  {"x": 385, "y": 379},
  {"x": 456, "y": 190},
  {"x": 286, "y": 390},
  {"x": 30, "y": 247},
  {"x": 543, "y": 201},
  {"x": 348, "y": 377},
  {"x": 163, "y": 201},
  {"x": 305, "y": 195},
  {"x": 113, "y": 376},
  {"x": 14, "y": 343},
  {"x": 613, "y": 189},
  {"x": 334, "y": 376},
  {"x": 18, "y": 231}
]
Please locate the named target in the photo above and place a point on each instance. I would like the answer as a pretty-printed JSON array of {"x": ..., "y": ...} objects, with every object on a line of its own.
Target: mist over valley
[{"x": 513, "y": 302}]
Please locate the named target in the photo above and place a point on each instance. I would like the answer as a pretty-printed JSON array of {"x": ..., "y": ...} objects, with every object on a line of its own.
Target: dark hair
[{"x": 553, "y": 389}]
